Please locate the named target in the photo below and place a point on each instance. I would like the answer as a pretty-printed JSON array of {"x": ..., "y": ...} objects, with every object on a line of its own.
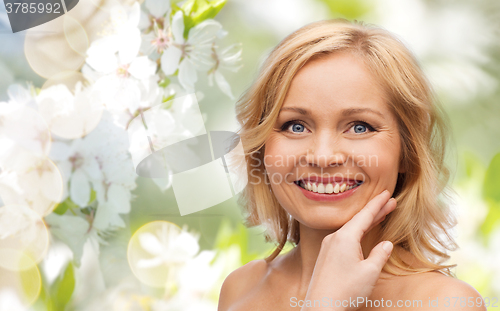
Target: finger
[
  {"x": 388, "y": 208},
  {"x": 362, "y": 221},
  {"x": 385, "y": 210},
  {"x": 380, "y": 254}
]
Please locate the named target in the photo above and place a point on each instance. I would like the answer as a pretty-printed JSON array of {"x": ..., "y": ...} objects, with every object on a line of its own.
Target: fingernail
[{"x": 387, "y": 246}]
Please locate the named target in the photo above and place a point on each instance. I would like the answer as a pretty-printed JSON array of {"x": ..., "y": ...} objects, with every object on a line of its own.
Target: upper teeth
[{"x": 326, "y": 188}]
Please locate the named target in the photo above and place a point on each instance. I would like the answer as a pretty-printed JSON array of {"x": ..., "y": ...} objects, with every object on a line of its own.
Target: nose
[{"x": 326, "y": 150}]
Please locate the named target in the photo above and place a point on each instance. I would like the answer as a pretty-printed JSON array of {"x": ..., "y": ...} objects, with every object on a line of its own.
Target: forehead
[{"x": 338, "y": 80}]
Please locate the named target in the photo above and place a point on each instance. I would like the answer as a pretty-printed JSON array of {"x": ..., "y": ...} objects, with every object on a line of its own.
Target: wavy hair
[{"x": 422, "y": 220}]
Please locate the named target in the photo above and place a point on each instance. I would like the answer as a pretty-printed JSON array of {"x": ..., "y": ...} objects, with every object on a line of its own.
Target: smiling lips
[
  {"x": 327, "y": 190},
  {"x": 327, "y": 185}
]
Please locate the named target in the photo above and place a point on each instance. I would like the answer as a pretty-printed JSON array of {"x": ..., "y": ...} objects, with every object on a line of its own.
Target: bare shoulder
[
  {"x": 240, "y": 282},
  {"x": 450, "y": 293}
]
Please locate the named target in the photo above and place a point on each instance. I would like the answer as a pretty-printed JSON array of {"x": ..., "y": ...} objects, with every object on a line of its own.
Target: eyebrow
[
  {"x": 345, "y": 112},
  {"x": 351, "y": 111},
  {"x": 299, "y": 110}
]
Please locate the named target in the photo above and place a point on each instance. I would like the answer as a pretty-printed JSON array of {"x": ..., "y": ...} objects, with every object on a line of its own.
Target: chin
[{"x": 326, "y": 221}]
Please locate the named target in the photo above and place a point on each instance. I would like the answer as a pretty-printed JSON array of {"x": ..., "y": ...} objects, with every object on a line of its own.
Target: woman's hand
[{"x": 341, "y": 272}]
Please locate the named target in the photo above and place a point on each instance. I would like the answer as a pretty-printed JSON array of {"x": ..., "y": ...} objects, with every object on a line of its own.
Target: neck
[{"x": 303, "y": 256}]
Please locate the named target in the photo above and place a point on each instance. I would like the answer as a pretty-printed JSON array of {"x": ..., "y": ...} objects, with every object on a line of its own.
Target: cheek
[
  {"x": 280, "y": 154},
  {"x": 274, "y": 159},
  {"x": 379, "y": 159}
]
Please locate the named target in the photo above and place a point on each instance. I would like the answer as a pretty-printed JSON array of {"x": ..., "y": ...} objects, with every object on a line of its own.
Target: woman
[{"x": 345, "y": 146}]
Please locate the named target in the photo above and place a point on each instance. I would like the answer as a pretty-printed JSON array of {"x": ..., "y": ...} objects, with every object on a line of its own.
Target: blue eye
[
  {"x": 297, "y": 128},
  {"x": 360, "y": 128},
  {"x": 293, "y": 126}
]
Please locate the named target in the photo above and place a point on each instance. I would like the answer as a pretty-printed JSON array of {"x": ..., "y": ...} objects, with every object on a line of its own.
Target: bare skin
[
  {"x": 268, "y": 287},
  {"x": 327, "y": 119},
  {"x": 262, "y": 286}
]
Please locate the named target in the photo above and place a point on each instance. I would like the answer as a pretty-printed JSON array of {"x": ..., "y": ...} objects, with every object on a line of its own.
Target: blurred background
[{"x": 458, "y": 46}]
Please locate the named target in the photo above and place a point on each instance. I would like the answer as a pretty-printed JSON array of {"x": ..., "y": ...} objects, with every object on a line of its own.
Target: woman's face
[{"x": 335, "y": 145}]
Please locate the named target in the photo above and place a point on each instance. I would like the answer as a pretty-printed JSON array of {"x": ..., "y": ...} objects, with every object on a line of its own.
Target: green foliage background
[{"x": 476, "y": 162}]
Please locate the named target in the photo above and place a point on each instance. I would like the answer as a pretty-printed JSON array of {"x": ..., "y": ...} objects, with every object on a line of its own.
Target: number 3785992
[{"x": 34, "y": 7}]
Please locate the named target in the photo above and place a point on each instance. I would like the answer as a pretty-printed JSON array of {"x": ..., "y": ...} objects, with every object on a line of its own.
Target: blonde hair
[{"x": 421, "y": 222}]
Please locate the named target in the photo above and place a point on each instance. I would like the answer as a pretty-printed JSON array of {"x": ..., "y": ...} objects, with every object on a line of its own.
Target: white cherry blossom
[
  {"x": 73, "y": 147},
  {"x": 120, "y": 44},
  {"x": 168, "y": 247},
  {"x": 68, "y": 115},
  {"x": 229, "y": 59},
  {"x": 79, "y": 167},
  {"x": 156, "y": 11},
  {"x": 99, "y": 161},
  {"x": 192, "y": 54},
  {"x": 22, "y": 128},
  {"x": 119, "y": 69}
]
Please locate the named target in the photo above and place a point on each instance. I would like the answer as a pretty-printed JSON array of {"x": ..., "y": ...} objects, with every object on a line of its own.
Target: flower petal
[
  {"x": 129, "y": 44},
  {"x": 79, "y": 188},
  {"x": 222, "y": 34},
  {"x": 184, "y": 247},
  {"x": 119, "y": 198},
  {"x": 143, "y": 21},
  {"x": 19, "y": 94},
  {"x": 151, "y": 93},
  {"x": 91, "y": 167},
  {"x": 198, "y": 274},
  {"x": 134, "y": 14},
  {"x": 59, "y": 151},
  {"x": 150, "y": 243},
  {"x": 117, "y": 94},
  {"x": 142, "y": 68},
  {"x": 204, "y": 33},
  {"x": 223, "y": 84},
  {"x": 146, "y": 47},
  {"x": 201, "y": 58},
  {"x": 170, "y": 60},
  {"x": 101, "y": 55},
  {"x": 65, "y": 170},
  {"x": 72, "y": 230},
  {"x": 48, "y": 186},
  {"x": 178, "y": 27},
  {"x": 187, "y": 75},
  {"x": 230, "y": 57},
  {"x": 158, "y": 8},
  {"x": 149, "y": 263},
  {"x": 163, "y": 183},
  {"x": 107, "y": 218}
]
